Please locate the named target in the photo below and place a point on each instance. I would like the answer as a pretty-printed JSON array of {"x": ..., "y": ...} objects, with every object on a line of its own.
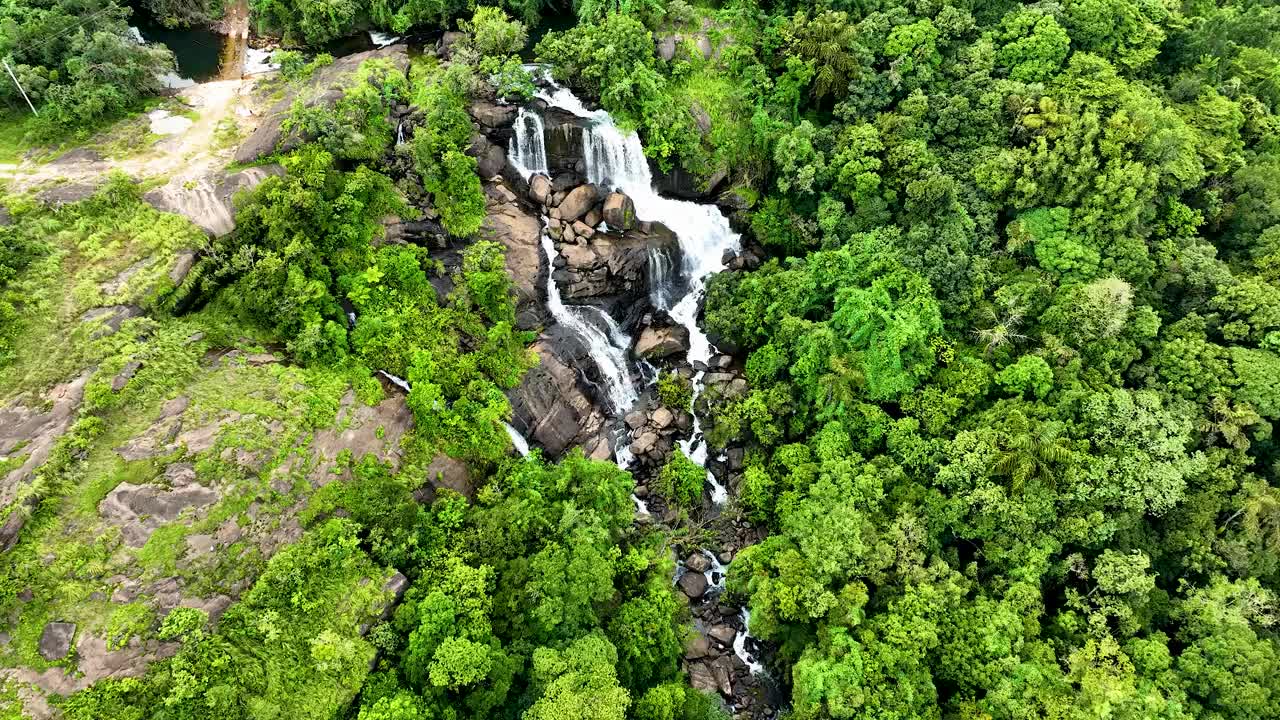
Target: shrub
[{"x": 681, "y": 480}]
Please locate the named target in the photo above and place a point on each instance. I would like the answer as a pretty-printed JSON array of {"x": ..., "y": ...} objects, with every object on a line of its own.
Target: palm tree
[{"x": 1029, "y": 453}]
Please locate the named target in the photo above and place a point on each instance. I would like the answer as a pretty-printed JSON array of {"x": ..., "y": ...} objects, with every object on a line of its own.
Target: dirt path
[{"x": 225, "y": 113}]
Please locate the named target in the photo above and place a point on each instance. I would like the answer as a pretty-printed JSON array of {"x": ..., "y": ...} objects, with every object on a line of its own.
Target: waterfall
[
  {"x": 660, "y": 278},
  {"x": 382, "y": 39},
  {"x": 740, "y": 645},
  {"x": 528, "y": 149},
  {"x": 518, "y": 440},
  {"x": 397, "y": 381},
  {"x": 400, "y": 133},
  {"x": 617, "y": 161},
  {"x": 608, "y": 347}
]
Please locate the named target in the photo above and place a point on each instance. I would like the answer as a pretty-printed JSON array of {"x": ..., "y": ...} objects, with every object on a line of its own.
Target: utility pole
[{"x": 20, "y": 89}]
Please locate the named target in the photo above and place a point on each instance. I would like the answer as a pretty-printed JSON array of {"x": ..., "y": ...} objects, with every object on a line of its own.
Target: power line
[{"x": 77, "y": 24}]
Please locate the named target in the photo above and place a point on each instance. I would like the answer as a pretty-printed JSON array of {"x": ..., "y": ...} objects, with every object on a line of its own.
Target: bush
[
  {"x": 681, "y": 480},
  {"x": 675, "y": 391},
  {"x": 493, "y": 33}
]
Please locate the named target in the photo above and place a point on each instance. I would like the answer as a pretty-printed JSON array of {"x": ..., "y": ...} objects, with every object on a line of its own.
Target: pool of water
[{"x": 200, "y": 52}]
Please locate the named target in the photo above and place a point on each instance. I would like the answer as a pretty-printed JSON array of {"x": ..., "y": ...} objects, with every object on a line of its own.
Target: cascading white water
[
  {"x": 740, "y": 646},
  {"x": 382, "y": 39},
  {"x": 608, "y": 347},
  {"x": 518, "y": 440},
  {"x": 616, "y": 160},
  {"x": 660, "y": 279},
  {"x": 528, "y": 150}
]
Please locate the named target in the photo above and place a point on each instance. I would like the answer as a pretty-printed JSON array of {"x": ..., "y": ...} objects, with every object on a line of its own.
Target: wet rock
[
  {"x": 565, "y": 140},
  {"x": 662, "y": 417},
  {"x": 634, "y": 419},
  {"x": 578, "y": 202},
  {"x": 657, "y": 343},
  {"x": 723, "y": 634},
  {"x": 619, "y": 212},
  {"x": 698, "y": 562},
  {"x": 550, "y": 408},
  {"x": 540, "y": 189},
  {"x": 55, "y": 641},
  {"x": 693, "y": 584},
  {"x": 604, "y": 266},
  {"x": 697, "y": 647}
]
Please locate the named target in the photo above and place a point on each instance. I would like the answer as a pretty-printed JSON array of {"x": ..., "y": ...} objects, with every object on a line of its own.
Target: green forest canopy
[{"x": 1012, "y": 358}]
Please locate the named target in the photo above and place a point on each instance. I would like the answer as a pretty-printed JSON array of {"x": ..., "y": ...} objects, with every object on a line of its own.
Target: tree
[
  {"x": 829, "y": 41},
  {"x": 295, "y": 235},
  {"x": 577, "y": 683}
]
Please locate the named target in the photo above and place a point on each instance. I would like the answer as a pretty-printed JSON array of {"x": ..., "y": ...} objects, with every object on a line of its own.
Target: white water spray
[
  {"x": 608, "y": 347},
  {"x": 518, "y": 440},
  {"x": 740, "y": 646},
  {"x": 528, "y": 150},
  {"x": 382, "y": 39}
]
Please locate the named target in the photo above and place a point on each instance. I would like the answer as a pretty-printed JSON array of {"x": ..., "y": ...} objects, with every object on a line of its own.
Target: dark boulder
[
  {"x": 55, "y": 641},
  {"x": 619, "y": 212}
]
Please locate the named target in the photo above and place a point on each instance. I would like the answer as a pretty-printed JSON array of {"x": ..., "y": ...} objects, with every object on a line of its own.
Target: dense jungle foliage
[{"x": 1014, "y": 366}]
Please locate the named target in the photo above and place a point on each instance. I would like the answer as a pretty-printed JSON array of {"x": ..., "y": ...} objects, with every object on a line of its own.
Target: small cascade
[
  {"x": 716, "y": 574},
  {"x": 528, "y": 149},
  {"x": 382, "y": 39},
  {"x": 642, "y": 508},
  {"x": 661, "y": 280},
  {"x": 399, "y": 133},
  {"x": 608, "y": 347},
  {"x": 521, "y": 444},
  {"x": 740, "y": 646},
  {"x": 258, "y": 61},
  {"x": 397, "y": 381}
]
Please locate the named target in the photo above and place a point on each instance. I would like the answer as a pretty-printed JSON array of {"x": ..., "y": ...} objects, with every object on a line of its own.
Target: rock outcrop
[
  {"x": 656, "y": 342},
  {"x": 551, "y": 408},
  {"x": 323, "y": 89},
  {"x": 512, "y": 225},
  {"x": 208, "y": 202},
  {"x": 29, "y": 428}
]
